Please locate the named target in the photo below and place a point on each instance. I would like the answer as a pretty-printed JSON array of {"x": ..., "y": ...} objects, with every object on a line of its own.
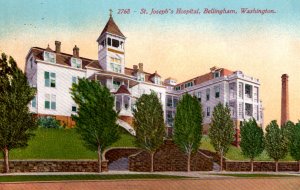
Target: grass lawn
[
  {"x": 235, "y": 153},
  {"x": 20, "y": 178},
  {"x": 66, "y": 144},
  {"x": 61, "y": 144}
]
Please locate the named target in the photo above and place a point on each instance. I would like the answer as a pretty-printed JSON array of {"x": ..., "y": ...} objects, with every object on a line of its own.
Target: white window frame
[
  {"x": 49, "y": 57},
  {"x": 52, "y": 78},
  {"x": 76, "y": 63},
  {"x": 51, "y": 98}
]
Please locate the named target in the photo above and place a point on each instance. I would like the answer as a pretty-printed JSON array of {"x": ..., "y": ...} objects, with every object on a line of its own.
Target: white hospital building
[{"x": 52, "y": 72}]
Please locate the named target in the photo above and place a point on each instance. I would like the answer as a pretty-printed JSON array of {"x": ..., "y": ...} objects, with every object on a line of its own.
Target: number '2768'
[{"x": 123, "y": 11}]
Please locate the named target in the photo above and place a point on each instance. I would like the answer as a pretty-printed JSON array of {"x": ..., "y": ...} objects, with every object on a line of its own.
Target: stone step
[{"x": 120, "y": 164}]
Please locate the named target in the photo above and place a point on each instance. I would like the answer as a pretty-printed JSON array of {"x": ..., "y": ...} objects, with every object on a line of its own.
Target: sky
[{"x": 181, "y": 46}]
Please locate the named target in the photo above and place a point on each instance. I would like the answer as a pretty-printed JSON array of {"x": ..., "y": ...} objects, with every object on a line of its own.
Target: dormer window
[
  {"x": 157, "y": 80},
  {"x": 49, "y": 57},
  {"x": 141, "y": 77},
  {"x": 217, "y": 74},
  {"x": 76, "y": 63}
]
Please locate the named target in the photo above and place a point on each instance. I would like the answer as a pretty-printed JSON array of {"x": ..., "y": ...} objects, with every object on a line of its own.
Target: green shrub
[{"x": 49, "y": 122}]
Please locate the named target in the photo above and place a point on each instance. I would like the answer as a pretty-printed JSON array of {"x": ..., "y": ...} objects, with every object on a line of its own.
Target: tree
[
  {"x": 221, "y": 131},
  {"x": 295, "y": 144},
  {"x": 96, "y": 117},
  {"x": 16, "y": 123},
  {"x": 276, "y": 142},
  {"x": 288, "y": 130},
  {"x": 188, "y": 126},
  {"x": 252, "y": 140},
  {"x": 149, "y": 124}
]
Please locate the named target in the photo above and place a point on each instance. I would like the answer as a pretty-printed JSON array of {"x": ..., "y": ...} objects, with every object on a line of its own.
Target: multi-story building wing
[{"x": 53, "y": 72}]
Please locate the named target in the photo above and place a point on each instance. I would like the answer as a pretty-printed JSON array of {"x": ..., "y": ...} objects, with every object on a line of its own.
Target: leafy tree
[
  {"x": 149, "y": 124},
  {"x": 276, "y": 142},
  {"x": 188, "y": 126},
  {"x": 295, "y": 144},
  {"x": 96, "y": 117},
  {"x": 252, "y": 140},
  {"x": 221, "y": 131},
  {"x": 288, "y": 128},
  {"x": 16, "y": 123}
]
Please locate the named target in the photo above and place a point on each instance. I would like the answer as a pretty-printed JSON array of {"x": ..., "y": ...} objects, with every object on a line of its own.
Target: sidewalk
[{"x": 193, "y": 174}]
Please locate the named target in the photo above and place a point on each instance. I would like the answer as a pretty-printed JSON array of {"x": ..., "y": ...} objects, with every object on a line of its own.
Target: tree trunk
[
  {"x": 276, "y": 165},
  {"x": 152, "y": 161},
  {"x": 99, "y": 159},
  {"x": 251, "y": 160},
  {"x": 189, "y": 162},
  {"x": 6, "y": 160},
  {"x": 221, "y": 161},
  {"x": 299, "y": 165}
]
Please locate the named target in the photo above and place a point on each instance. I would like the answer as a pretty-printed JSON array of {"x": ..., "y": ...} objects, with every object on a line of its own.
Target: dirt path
[{"x": 207, "y": 184}]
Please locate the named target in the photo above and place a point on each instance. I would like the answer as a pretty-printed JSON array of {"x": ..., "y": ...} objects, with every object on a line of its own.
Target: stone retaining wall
[
  {"x": 54, "y": 166},
  {"x": 169, "y": 158},
  {"x": 261, "y": 166}
]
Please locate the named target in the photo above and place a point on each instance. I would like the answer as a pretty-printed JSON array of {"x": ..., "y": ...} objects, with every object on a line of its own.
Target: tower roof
[{"x": 111, "y": 27}]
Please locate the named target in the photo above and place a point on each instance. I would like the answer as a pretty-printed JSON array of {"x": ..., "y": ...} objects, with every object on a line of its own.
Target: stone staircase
[{"x": 119, "y": 165}]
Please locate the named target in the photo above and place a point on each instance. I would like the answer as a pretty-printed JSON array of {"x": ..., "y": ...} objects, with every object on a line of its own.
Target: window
[
  {"x": 50, "y": 79},
  {"x": 217, "y": 91},
  {"x": 31, "y": 63},
  {"x": 33, "y": 102},
  {"x": 216, "y": 74},
  {"x": 49, "y": 57},
  {"x": 175, "y": 102},
  {"x": 177, "y": 88},
  {"x": 115, "y": 43},
  {"x": 116, "y": 84},
  {"x": 141, "y": 77},
  {"x": 157, "y": 80},
  {"x": 115, "y": 64},
  {"x": 189, "y": 84},
  {"x": 249, "y": 110},
  {"x": 208, "y": 111},
  {"x": 74, "y": 79},
  {"x": 207, "y": 94},
  {"x": 50, "y": 101},
  {"x": 76, "y": 63},
  {"x": 74, "y": 108},
  {"x": 199, "y": 96},
  {"x": 248, "y": 91}
]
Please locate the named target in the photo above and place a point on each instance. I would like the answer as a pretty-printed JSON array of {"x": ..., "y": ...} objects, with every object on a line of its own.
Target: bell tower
[{"x": 111, "y": 51}]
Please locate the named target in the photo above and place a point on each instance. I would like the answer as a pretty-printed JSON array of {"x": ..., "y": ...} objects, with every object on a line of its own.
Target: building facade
[{"x": 53, "y": 72}]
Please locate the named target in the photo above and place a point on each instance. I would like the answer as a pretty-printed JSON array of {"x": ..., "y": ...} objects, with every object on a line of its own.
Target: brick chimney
[
  {"x": 76, "y": 51},
  {"x": 57, "y": 46},
  {"x": 284, "y": 98},
  {"x": 141, "y": 67}
]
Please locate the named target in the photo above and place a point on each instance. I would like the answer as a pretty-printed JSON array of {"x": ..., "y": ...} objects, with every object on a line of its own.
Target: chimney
[
  {"x": 284, "y": 99},
  {"x": 57, "y": 46},
  {"x": 76, "y": 51},
  {"x": 141, "y": 68},
  {"x": 135, "y": 68}
]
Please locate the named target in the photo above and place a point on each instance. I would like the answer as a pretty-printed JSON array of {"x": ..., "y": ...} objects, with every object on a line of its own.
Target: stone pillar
[{"x": 284, "y": 99}]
